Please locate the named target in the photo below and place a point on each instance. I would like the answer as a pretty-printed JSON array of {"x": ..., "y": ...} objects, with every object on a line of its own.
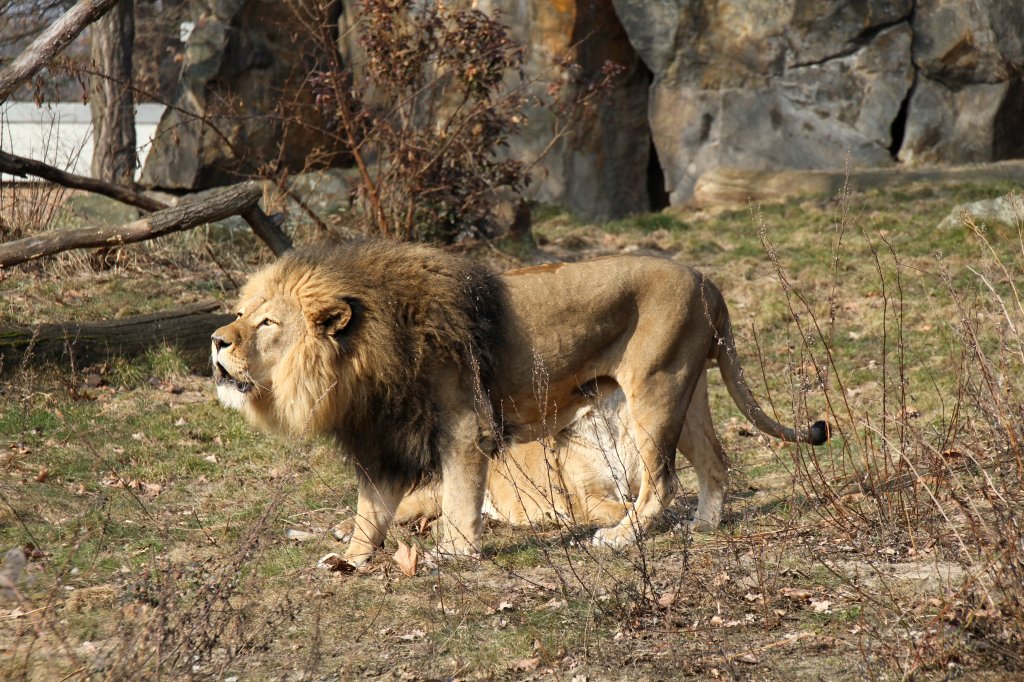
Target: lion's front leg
[
  {"x": 464, "y": 482},
  {"x": 375, "y": 509}
]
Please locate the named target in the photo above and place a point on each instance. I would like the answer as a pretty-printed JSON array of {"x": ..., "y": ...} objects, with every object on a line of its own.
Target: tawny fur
[{"x": 413, "y": 309}]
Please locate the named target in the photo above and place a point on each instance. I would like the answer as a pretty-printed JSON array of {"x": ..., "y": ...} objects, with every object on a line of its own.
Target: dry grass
[{"x": 156, "y": 519}]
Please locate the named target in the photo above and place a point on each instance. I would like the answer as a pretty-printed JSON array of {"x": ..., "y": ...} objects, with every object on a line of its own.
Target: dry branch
[
  {"x": 187, "y": 329},
  {"x": 21, "y": 167},
  {"x": 267, "y": 228},
  {"x": 44, "y": 48},
  {"x": 201, "y": 208}
]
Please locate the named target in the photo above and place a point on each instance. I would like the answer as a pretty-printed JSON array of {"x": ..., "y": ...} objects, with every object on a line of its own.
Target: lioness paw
[
  {"x": 343, "y": 531},
  {"x": 616, "y": 536}
]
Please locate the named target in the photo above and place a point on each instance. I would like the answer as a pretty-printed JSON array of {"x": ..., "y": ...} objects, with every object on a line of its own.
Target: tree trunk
[
  {"x": 186, "y": 329},
  {"x": 267, "y": 228},
  {"x": 113, "y": 112}
]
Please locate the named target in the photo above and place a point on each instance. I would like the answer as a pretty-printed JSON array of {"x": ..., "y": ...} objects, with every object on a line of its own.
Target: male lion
[{"x": 420, "y": 362}]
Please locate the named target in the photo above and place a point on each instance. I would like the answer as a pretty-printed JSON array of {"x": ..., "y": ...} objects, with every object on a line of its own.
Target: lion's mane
[{"x": 413, "y": 309}]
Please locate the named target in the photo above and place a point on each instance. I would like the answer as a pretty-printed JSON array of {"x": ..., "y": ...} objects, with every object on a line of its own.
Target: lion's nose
[{"x": 219, "y": 342}]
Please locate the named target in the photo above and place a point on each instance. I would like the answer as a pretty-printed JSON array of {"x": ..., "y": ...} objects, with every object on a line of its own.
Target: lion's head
[
  {"x": 283, "y": 360},
  {"x": 340, "y": 339}
]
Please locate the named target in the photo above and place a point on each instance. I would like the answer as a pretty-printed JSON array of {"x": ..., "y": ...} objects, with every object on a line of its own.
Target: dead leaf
[
  {"x": 212, "y": 459},
  {"x": 407, "y": 558},
  {"x": 299, "y": 535},
  {"x": 752, "y": 597},
  {"x": 413, "y": 636},
  {"x": 553, "y": 603},
  {"x": 424, "y": 524},
  {"x": 527, "y": 664},
  {"x": 796, "y": 593},
  {"x": 335, "y": 563},
  {"x": 42, "y": 475},
  {"x": 822, "y": 606},
  {"x": 505, "y": 606},
  {"x": 750, "y": 659},
  {"x": 666, "y": 600}
]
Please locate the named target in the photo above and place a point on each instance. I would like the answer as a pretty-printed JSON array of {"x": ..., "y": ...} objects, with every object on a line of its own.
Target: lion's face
[
  {"x": 246, "y": 351},
  {"x": 281, "y": 357}
]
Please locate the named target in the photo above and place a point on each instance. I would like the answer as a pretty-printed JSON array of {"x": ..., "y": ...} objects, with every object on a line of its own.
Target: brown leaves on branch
[{"x": 427, "y": 116}]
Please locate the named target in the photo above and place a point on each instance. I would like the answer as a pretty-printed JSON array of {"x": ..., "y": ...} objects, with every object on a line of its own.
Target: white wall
[{"x": 61, "y": 134}]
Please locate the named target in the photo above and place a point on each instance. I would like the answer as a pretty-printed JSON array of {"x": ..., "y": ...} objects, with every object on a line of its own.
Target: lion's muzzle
[{"x": 229, "y": 385}]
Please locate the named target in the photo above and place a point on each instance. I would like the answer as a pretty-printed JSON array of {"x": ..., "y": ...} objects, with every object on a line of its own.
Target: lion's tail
[{"x": 732, "y": 374}]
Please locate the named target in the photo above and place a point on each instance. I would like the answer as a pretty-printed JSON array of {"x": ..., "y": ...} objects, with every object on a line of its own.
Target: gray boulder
[
  {"x": 1006, "y": 210},
  {"x": 771, "y": 84}
]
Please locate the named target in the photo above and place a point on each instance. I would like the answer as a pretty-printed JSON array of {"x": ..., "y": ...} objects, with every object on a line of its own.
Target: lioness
[
  {"x": 421, "y": 362},
  {"x": 587, "y": 474}
]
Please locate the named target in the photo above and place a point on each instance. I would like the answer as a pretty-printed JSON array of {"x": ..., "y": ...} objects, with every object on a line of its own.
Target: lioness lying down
[
  {"x": 588, "y": 474},
  {"x": 419, "y": 362}
]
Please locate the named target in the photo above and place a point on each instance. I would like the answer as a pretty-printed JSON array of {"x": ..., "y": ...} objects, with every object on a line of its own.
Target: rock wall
[
  {"x": 967, "y": 104},
  {"x": 811, "y": 84},
  {"x": 600, "y": 159},
  {"x": 706, "y": 84},
  {"x": 241, "y": 101}
]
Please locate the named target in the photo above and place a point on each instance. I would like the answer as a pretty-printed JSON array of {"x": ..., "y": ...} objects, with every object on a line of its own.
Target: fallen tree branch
[
  {"x": 44, "y": 48},
  {"x": 186, "y": 329},
  {"x": 22, "y": 167},
  {"x": 204, "y": 207},
  {"x": 267, "y": 228}
]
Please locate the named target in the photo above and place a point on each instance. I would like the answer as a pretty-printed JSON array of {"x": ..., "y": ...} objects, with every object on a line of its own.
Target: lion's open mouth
[{"x": 224, "y": 378}]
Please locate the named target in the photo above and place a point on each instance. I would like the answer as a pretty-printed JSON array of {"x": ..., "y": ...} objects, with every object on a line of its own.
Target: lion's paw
[
  {"x": 616, "y": 536},
  {"x": 703, "y": 525}
]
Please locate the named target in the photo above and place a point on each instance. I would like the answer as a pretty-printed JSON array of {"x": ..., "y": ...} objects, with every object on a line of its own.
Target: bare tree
[{"x": 113, "y": 113}]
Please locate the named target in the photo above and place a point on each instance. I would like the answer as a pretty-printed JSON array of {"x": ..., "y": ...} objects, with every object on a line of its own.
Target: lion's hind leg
[
  {"x": 700, "y": 445},
  {"x": 658, "y": 427}
]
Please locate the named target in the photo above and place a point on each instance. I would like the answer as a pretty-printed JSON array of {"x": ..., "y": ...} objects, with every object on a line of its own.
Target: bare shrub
[
  {"x": 426, "y": 119},
  {"x": 950, "y": 488}
]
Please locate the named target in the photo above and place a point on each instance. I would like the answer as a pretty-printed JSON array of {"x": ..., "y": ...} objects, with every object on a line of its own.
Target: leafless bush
[
  {"x": 427, "y": 117},
  {"x": 951, "y": 488}
]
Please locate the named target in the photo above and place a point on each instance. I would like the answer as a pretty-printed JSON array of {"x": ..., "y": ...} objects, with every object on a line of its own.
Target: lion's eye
[
  {"x": 238, "y": 314},
  {"x": 266, "y": 323}
]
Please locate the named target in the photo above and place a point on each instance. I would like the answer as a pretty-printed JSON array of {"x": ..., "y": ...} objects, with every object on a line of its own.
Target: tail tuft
[{"x": 820, "y": 432}]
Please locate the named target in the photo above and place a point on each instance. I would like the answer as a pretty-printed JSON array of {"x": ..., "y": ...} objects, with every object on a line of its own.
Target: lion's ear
[{"x": 333, "y": 321}]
